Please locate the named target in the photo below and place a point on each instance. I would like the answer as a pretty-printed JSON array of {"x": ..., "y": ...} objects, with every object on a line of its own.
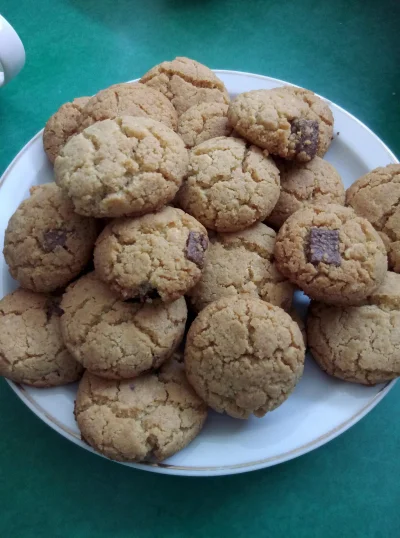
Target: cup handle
[{"x": 12, "y": 52}]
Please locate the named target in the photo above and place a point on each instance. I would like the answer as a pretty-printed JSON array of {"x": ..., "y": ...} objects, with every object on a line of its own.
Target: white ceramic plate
[{"x": 320, "y": 408}]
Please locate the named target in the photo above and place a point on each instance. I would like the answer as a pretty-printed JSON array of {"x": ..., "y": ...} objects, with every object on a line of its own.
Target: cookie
[
  {"x": 202, "y": 122},
  {"x": 289, "y": 122},
  {"x": 360, "y": 344},
  {"x": 376, "y": 197},
  {"x": 116, "y": 339},
  {"x": 46, "y": 244},
  {"x": 244, "y": 356},
  {"x": 31, "y": 346},
  {"x": 332, "y": 254},
  {"x": 128, "y": 100},
  {"x": 230, "y": 185},
  {"x": 159, "y": 255},
  {"x": 242, "y": 263},
  {"x": 61, "y": 126},
  {"x": 294, "y": 314},
  {"x": 186, "y": 83},
  {"x": 316, "y": 182},
  {"x": 125, "y": 166},
  {"x": 149, "y": 418}
]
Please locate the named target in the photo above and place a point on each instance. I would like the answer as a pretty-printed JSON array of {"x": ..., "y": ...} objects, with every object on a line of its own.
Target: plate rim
[{"x": 182, "y": 470}]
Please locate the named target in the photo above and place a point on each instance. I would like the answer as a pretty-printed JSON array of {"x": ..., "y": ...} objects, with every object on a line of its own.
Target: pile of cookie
[{"x": 159, "y": 268}]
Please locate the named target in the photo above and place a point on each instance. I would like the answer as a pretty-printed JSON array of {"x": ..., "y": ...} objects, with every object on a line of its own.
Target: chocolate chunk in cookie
[
  {"x": 196, "y": 246},
  {"x": 324, "y": 246},
  {"x": 306, "y": 135},
  {"x": 53, "y": 239}
]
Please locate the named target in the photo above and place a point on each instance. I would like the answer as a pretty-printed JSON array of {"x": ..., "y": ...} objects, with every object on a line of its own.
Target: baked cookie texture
[
  {"x": 244, "y": 356},
  {"x": 61, "y": 126},
  {"x": 116, "y": 339},
  {"x": 32, "y": 350},
  {"x": 149, "y": 418},
  {"x": 332, "y": 254},
  {"x": 242, "y": 263},
  {"x": 289, "y": 122},
  {"x": 202, "y": 122},
  {"x": 186, "y": 83},
  {"x": 230, "y": 185},
  {"x": 159, "y": 255},
  {"x": 125, "y": 166},
  {"x": 360, "y": 344},
  {"x": 132, "y": 99},
  {"x": 46, "y": 244},
  {"x": 316, "y": 182},
  {"x": 376, "y": 197}
]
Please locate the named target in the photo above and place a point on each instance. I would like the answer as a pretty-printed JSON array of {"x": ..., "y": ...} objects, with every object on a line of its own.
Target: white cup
[{"x": 12, "y": 52}]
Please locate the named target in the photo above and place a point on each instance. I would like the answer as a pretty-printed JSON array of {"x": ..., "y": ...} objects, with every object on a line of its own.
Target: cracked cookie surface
[
  {"x": 128, "y": 100},
  {"x": 32, "y": 350},
  {"x": 349, "y": 273},
  {"x": 202, "y": 122},
  {"x": 125, "y": 166},
  {"x": 316, "y": 182},
  {"x": 159, "y": 255},
  {"x": 185, "y": 83},
  {"x": 244, "y": 356},
  {"x": 46, "y": 244},
  {"x": 376, "y": 197},
  {"x": 230, "y": 185},
  {"x": 61, "y": 126},
  {"x": 242, "y": 263},
  {"x": 117, "y": 339},
  {"x": 149, "y": 418},
  {"x": 289, "y": 122},
  {"x": 360, "y": 343}
]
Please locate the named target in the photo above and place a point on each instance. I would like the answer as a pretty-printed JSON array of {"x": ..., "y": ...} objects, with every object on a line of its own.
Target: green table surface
[{"x": 346, "y": 50}]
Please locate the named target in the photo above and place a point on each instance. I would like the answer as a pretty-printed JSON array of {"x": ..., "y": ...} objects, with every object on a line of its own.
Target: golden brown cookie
[
  {"x": 244, "y": 356},
  {"x": 46, "y": 244},
  {"x": 61, "y": 126},
  {"x": 242, "y": 263},
  {"x": 376, "y": 197},
  {"x": 332, "y": 254},
  {"x": 359, "y": 343},
  {"x": 186, "y": 83},
  {"x": 202, "y": 122},
  {"x": 31, "y": 347},
  {"x": 125, "y": 166},
  {"x": 149, "y": 418},
  {"x": 128, "y": 100},
  {"x": 230, "y": 185},
  {"x": 316, "y": 182},
  {"x": 160, "y": 255},
  {"x": 116, "y": 339},
  {"x": 294, "y": 314},
  {"x": 289, "y": 122}
]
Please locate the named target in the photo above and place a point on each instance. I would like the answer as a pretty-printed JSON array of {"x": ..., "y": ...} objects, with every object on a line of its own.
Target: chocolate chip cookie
[
  {"x": 242, "y": 263},
  {"x": 32, "y": 350},
  {"x": 186, "y": 83},
  {"x": 160, "y": 255},
  {"x": 289, "y": 122},
  {"x": 46, "y": 244},
  {"x": 61, "y": 126},
  {"x": 376, "y": 197},
  {"x": 360, "y": 344},
  {"x": 128, "y": 100},
  {"x": 202, "y": 122},
  {"x": 332, "y": 254},
  {"x": 117, "y": 339},
  {"x": 149, "y": 418},
  {"x": 230, "y": 184},
  {"x": 244, "y": 356},
  {"x": 316, "y": 182},
  {"x": 125, "y": 166}
]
